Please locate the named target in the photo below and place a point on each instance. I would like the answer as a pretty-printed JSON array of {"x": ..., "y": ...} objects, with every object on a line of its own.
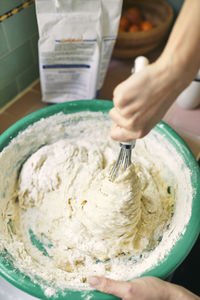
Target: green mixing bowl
[{"x": 179, "y": 250}]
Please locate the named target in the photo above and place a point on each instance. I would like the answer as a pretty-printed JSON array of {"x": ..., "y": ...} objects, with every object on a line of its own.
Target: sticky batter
[{"x": 68, "y": 203}]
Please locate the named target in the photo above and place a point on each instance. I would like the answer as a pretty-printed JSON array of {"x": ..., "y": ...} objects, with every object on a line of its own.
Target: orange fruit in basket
[
  {"x": 146, "y": 25},
  {"x": 123, "y": 24},
  {"x": 134, "y": 28},
  {"x": 121, "y": 29},
  {"x": 134, "y": 16}
]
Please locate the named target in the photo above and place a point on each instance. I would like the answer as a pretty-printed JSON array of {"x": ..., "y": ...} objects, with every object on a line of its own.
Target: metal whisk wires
[{"x": 123, "y": 160}]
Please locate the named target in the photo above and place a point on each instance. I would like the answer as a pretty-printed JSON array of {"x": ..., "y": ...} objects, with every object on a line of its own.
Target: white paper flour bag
[{"x": 76, "y": 39}]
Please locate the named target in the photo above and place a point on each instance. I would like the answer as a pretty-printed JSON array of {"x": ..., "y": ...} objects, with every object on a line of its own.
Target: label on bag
[{"x": 76, "y": 39}]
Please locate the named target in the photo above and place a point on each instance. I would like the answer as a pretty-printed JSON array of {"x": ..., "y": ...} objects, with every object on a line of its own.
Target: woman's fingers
[
  {"x": 145, "y": 288},
  {"x": 118, "y": 118},
  {"x": 125, "y": 128},
  {"x": 118, "y": 133},
  {"x": 128, "y": 123},
  {"x": 120, "y": 289}
]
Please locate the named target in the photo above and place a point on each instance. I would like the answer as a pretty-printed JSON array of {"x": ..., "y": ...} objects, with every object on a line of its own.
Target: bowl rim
[{"x": 175, "y": 256}]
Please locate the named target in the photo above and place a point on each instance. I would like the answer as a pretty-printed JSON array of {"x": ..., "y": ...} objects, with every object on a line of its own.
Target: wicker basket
[{"x": 132, "y": 44}]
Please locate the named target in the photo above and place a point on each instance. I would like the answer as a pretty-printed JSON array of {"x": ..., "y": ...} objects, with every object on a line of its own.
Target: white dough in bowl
[{"x": 64, "y": 220}]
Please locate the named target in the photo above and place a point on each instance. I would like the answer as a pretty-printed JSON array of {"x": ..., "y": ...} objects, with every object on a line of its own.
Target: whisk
[{"x": 124, "y": 158}]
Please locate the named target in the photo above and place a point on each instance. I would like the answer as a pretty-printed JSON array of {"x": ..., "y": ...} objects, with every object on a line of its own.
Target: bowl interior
[{"x": 179, "y": 169}]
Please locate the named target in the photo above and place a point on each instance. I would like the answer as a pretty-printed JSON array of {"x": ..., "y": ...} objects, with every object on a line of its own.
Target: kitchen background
[
  {"x": 18, "y": 46},
  {"x": 19, "y": 80}
]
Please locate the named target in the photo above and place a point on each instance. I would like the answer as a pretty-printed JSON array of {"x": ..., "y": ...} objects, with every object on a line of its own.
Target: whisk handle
[
  {"x": 139, "y": 64},
  {"x": 128, "y": 145}
]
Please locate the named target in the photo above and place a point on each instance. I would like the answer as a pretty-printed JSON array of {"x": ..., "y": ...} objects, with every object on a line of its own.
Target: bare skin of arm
[
  {"x": 142, "y": 100},
  {"x": 146, "y": 288}
]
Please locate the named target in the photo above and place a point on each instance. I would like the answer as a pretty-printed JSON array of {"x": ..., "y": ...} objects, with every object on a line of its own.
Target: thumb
[{"x": 109, "y": 286}]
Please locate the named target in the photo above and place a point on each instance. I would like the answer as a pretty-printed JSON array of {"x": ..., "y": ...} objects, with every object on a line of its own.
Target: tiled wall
[{"x": 18, "y": 50}]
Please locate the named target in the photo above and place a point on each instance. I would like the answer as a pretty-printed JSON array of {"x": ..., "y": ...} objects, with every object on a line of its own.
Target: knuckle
[
  {"x": 106, "y": 285},
  {"x": 131, "y": 124},
  {"x": 113, "y": 136},
  {"x": 111, "y": 112},
  {"x": 142, "y": 132},
  {"x": 125, "y": 113},
  {"x": 134, "y": 124},
  {"x": 120, "y": 98},
  {"x": 118, "y": 101},
  {"x": 139, "y": 134},
  {"x": 117, "y": 90},
  {"x": 130, "y": 291},
  {"x": 114, "y": 115}
]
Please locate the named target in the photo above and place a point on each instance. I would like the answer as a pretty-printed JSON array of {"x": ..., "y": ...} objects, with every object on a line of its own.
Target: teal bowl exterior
[{"x": 177, "y": 254}]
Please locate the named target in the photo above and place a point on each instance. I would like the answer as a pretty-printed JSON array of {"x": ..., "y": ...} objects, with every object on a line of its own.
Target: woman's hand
[
  {"x": 145, "y": 288},
  {"x": 141, "y": 101}
]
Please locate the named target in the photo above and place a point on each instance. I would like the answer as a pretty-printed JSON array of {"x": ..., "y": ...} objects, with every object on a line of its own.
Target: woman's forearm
[{"x": 183, "y": 46}]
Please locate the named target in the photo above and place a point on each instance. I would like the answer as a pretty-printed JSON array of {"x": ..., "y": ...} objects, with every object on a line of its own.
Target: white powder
[{"x": 152, "y": 152}]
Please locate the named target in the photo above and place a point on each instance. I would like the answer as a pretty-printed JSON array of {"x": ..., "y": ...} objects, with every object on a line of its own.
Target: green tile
[
  {"x": 21, "y": 27},
  {"x": 7, "y": 5},
  {"x": 8, "y": 93},
  {"x": 34, "y": 44},
  {"x": 27, "y": 77},
  {"x": 3, "y": 42},
  {"x": 15, "y": 63}
]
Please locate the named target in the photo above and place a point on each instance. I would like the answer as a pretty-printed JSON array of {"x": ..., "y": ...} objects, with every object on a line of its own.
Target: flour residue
[{"x": 60, "y": 220}]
